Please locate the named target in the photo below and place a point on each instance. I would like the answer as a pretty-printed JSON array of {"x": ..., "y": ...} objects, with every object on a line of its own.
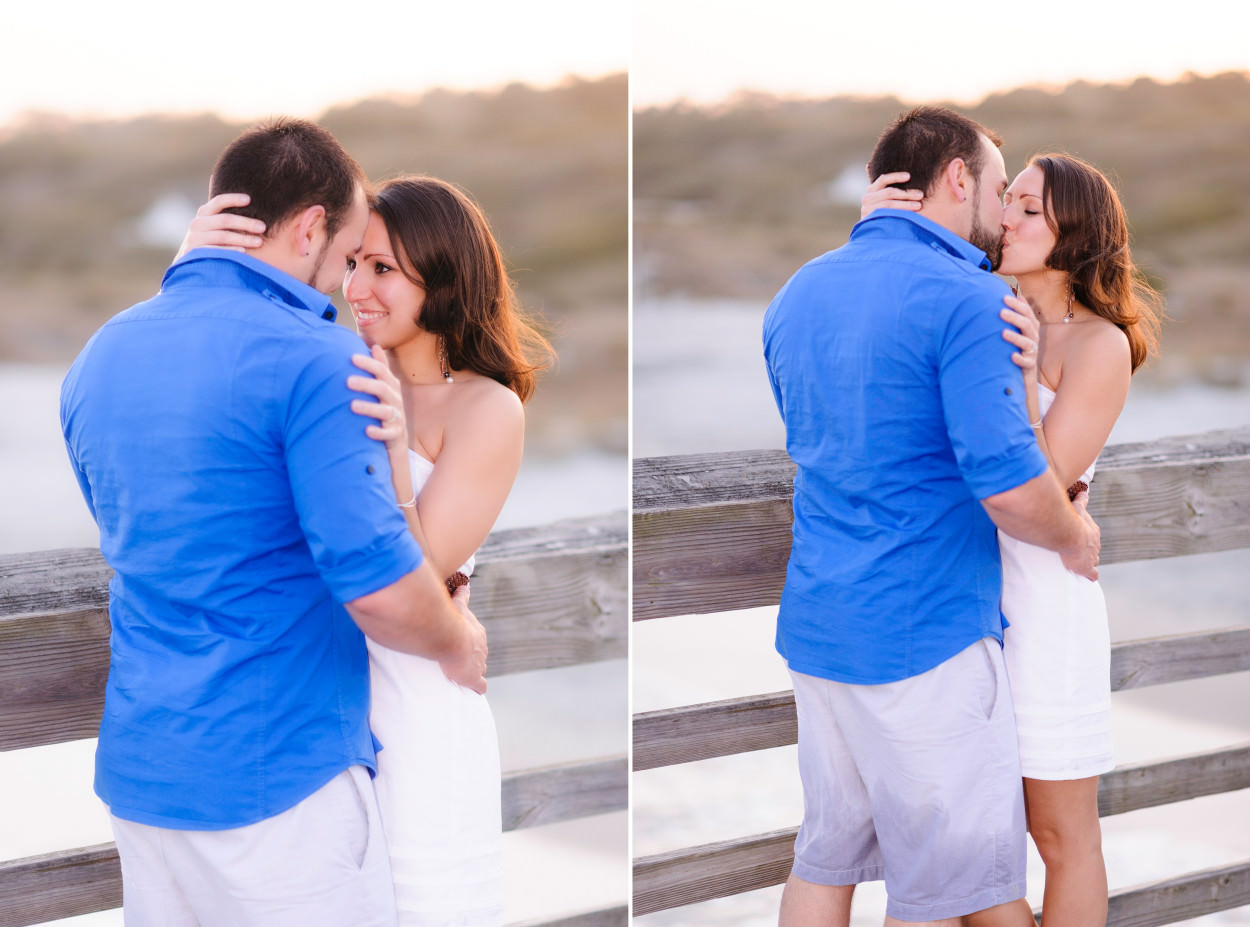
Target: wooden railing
[
  {"x": 549, "y": 597},
  {"x": 711, "y": 533}
]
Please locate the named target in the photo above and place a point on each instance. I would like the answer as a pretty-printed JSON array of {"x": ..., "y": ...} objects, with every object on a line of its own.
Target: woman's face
[
  {"x": 384, "y": 302},
  {"x": 1027, "y": 238}
]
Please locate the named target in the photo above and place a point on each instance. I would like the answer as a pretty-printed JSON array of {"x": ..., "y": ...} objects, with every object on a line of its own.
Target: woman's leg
[
  {"x": 806, "y": 904},
  {"x": 1012, "y": 914},
  {"x": 1063, "y": 820}
]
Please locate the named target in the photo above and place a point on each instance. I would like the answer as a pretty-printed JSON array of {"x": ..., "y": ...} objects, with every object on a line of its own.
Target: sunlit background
[
  {"x": 753, "y": 123},
  {"x": 704, "y": 51},
  {"x": 243, "y": 60},
  {"x": 111, "y": 116}
]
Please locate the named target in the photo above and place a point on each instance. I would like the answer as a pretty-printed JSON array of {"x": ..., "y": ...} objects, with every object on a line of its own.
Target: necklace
[{"x": 1067, "y": 317}]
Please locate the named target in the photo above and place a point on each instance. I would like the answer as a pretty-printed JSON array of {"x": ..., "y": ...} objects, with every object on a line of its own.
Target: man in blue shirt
[
  {"x": 905, "y": 417},
  {"x": 254, "y": 535}
]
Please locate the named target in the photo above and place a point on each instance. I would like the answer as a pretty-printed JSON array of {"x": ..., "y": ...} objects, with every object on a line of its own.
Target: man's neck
[
  {"x": 277, "y": 255},
  {"x": 953, "y": 216}
]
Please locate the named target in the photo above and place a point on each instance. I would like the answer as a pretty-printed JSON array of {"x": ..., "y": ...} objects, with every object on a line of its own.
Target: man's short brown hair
[
  {"x": 285, "y": 166},
  {"x": 926, "y": 139}
]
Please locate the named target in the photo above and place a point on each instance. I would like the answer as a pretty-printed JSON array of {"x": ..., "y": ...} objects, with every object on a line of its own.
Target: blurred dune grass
[
  {"x": 91, "y": 208},
  {"x": 730, "y": 200}
]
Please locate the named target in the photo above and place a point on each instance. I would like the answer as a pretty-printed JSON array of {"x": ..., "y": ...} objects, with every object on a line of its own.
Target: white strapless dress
[
  {"x": 1057, "y": 649},
  {"x": 438, "y": 785}
]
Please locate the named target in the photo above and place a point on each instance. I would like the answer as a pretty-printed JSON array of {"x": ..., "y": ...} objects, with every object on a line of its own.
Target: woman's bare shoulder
[
  {"x": 1104, "y": 337},
  {"x": 484, "y": 402},
  {"x": 1097, "y": 351}
]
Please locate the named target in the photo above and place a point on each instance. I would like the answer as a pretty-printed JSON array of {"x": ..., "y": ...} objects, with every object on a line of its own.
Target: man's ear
[
  {"x": 957, "y": 179},
  {"x": 309, "y": 225}
]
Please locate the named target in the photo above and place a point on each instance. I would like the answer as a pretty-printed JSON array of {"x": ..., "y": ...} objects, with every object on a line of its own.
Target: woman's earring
[{"x": 442, "y": 360}]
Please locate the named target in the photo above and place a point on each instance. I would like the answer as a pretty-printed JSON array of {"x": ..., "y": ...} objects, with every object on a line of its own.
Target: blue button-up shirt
[
  {"x": 902, "y": 409},
  {"x": 239, "y": 503}
]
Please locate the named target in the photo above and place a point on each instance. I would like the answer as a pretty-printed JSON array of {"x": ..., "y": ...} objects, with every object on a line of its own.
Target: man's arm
[
  {"x": 358, "y": 539},
  {"x": 1038, "y": 513},
  {"x": 414, "y": 615}
]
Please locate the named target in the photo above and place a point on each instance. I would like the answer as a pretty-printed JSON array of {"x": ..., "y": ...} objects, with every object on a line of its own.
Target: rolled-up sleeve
[
  {"x": 341, "y": 482},
  {"x": 983, "y": 401}
]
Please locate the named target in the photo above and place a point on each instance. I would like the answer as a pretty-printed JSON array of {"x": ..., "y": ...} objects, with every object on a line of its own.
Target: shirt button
[{"x": 328, "y": 314}]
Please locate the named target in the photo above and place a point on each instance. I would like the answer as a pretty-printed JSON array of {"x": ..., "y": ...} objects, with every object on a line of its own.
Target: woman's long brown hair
[
  {"x": 1092, "y": 245},
  {"x": 469, "y": 298}
]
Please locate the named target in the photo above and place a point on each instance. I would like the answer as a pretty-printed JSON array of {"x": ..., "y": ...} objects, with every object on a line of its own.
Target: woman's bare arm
[
  {"x": 476, "y": 467},
  {"x": 1089, "y": 397}
]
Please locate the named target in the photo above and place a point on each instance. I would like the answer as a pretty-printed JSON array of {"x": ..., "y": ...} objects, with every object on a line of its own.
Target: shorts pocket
[
  {"x": 358, "y": 830},
  {"x": 992, "y": 662}
]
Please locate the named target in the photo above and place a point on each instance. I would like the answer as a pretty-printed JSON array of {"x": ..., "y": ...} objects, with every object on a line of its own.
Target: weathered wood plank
[
  {"x": 1182, "y": 495},
  {"x": 604, "y": 917},
  {"x": 53, "y": 581},
  {"x": 713, "y": 870},
  {"x": 712, "y": 531},
  {"x": 555, "y": 596},
  {"x": 1181, "y": 898},
  {"x": 52, "y": 674},
  {"x": 1162, "y": 782},
  {"x": 758, "y": 722},
  {"x": 565, "y": 791},
  {"x": 698, "y": 732},
  {"x": 1178, "y": 657},
  {"x": 62, "y": 884},
  {"x": 549, "y": 596}
]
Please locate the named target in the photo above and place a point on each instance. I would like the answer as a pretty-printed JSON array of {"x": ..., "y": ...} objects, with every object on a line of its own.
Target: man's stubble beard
[
  {"x": 988, "y": 240},
  {"x": 316, "y": 271}
]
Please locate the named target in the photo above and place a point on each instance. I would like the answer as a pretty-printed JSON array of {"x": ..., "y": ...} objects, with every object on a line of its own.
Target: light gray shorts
[
  {"x": 916, "y": 782},
  {"x": 322, "y": 863}
]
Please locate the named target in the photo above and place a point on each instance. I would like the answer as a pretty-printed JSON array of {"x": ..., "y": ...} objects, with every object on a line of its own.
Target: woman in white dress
[
  {"x": 452, "y": 364},
  {"x": 1065, "y": 241}
]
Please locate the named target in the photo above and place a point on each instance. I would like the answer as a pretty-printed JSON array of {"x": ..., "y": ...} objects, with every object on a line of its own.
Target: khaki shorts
[
  {"x": 322, "y": 863},
  {"x": 916, "y": 782}
]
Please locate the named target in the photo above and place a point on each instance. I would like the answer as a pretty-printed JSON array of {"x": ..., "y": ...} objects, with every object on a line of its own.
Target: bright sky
[
  {"x": 704, "y": 50},
  {"x": 251, "y": 58},
  {"x": 248, "y": 59}
]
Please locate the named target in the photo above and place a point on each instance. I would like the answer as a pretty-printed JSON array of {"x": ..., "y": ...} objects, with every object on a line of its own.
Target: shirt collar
[
  {"x": 276, "y": 282},
  {"x": 927, "y": 228}
]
